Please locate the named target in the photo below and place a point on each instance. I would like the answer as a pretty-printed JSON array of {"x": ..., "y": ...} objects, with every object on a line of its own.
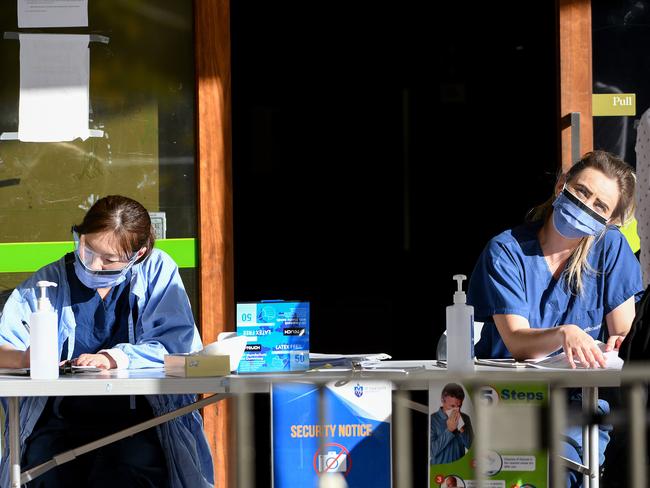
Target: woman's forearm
[
  {"x": 525, "y": 342},
  {"x": 577, "y": 344},
  {"x": 10, "y": 357},
  {"x": 620, "y": 319},
  {"x": 535, "y": 343}
]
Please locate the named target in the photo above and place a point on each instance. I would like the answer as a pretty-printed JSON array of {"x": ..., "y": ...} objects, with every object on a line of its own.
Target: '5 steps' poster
[{"x": 452, "y": 436}]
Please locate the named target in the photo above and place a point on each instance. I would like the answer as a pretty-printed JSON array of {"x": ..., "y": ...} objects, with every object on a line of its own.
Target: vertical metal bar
[
  {"x": 480, "y": 439},
  {"x": 402, "y": 430},
  {"x": 322, "y": 416},
  {"x": 558, "y": 426},
  {"x": 326, "y": 480},
  {"x": 637, "y": 429},
  {"x": 245, "y": 445},
  {"x": 586, "y": 436},
  {"x": 14, "y": 441},
  {"x": 594, "y": 439},
  {"x": 590, "y": 445},
  {"x": 575, "y": 137}
]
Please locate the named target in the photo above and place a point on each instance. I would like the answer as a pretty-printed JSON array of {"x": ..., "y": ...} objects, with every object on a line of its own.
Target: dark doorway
[{"x": 376, "y": 148}]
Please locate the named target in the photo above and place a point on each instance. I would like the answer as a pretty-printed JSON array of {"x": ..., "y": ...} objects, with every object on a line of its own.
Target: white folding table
[{"x": 154, "y": 382}]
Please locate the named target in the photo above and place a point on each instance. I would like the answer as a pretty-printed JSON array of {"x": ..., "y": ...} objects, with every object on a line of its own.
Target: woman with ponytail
[{"x": 564, "y": 278}]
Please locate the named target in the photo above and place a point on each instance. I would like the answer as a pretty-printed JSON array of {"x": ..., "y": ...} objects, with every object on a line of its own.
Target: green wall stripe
[
  {"x": 27, "y": 257},
  {"x": 183, "y": 251}
]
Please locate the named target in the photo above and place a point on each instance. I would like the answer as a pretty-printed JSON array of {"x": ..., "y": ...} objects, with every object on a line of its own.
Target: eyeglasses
[
  {"x": 580, "y": 200},
  {"x": 98, "y": 263}
]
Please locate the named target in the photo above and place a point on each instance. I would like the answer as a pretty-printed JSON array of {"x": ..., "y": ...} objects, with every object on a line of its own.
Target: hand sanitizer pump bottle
[
  {"x": 460, "y": 331},
  {"x": 44, "y": 338}
]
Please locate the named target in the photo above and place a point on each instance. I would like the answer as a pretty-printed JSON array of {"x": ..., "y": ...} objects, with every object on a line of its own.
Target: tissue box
[
  {"x": 228, "y": 343},
  {"x": 194, "y": 365},
  {"x": 278, "y": 336}
]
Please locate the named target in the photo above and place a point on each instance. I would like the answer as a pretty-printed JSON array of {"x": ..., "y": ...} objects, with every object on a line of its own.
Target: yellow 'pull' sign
[{"x": 614, "y": 104}]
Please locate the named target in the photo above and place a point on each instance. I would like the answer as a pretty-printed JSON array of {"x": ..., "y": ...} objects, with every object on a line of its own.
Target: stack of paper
[
  {"x": 559, "y": 361},
  {"x": 65, "y": 368},
  {"x": 344, "y": 361}
]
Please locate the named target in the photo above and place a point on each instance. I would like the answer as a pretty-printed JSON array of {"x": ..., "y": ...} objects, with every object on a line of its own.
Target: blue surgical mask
[
  {"x": 94, "y": 280},
  {"x": 97, "y": 278},
  {"x": 573, "y": 219}
]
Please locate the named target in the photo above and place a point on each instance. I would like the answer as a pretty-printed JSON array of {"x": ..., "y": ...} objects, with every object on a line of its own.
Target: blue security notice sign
[{"x": 351, "y": 438}]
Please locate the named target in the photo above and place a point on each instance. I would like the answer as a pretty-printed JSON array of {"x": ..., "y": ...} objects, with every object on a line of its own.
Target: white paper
[
  {"x": 54, "y": 95},
  {"x": 352, "y": 357},
  {"x": 410, "y": 364},
  {"x": 317, "y": 360},
  {"x": 86, "y": 369},
  {"x": 559, "y": 361},
  {"x": 52, "y": 13}
]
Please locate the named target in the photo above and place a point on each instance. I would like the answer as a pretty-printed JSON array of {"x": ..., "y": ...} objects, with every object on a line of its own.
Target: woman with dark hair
[
  {"x": 120, "y": 304},
  {"x": 553, "y": 282}
]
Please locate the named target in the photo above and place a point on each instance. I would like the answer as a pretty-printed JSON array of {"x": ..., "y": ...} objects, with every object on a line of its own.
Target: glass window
[{"x": 142, "y": 94}]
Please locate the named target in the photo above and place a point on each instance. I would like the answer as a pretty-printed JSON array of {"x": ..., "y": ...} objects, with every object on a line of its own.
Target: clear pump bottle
[
  {"x": 460, "y": 331},
  {"x": 44, "y": 338}
]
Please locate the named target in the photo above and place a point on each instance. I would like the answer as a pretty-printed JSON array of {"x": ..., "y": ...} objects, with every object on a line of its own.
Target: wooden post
[
  {"x": 216, "y": 279},
  {"x": 574, "y": 31}
]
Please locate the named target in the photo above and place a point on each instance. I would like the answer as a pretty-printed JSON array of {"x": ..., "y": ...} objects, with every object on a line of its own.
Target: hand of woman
[
  {"x": 614, "y": 343},
  {"x": 10, "y": 357},
  {"x": 25, "y": 359},
  {"x": 102, "y": 361},
  {"x": 578, "y": 345}
]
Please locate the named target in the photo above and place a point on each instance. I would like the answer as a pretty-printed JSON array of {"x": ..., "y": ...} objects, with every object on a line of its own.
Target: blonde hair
[{"x": 612, "y": 167}]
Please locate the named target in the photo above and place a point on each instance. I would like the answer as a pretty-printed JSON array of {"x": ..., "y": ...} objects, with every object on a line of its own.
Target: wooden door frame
[
  {"x": 575, "y": 85},
  {"x": 214, "y": 173}
]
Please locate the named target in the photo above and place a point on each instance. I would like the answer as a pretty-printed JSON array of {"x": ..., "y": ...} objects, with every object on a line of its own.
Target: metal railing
[{"x": 633, "y": 413}]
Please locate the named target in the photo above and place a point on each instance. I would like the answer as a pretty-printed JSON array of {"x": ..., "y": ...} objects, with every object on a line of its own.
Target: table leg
[
  {"x": 594, "y": 438},
  {"x": 590, "y": 439},
  {"x": 14, "y": 441},
  {"x": 586, "y": 444},
  {"x": 558, "y": 426},
  {"x": 637, "y": 425}
]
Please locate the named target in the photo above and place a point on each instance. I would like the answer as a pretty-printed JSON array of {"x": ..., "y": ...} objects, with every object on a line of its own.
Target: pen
[{"x": 26, "y": 325}]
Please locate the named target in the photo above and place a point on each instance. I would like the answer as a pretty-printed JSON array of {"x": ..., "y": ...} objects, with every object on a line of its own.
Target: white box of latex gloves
[{"x": 277, "y": 333}]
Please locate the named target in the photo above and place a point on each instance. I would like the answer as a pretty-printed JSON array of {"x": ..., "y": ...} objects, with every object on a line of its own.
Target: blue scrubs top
[
  {"x": 100, "y": 323},
  {"x": 164, "y": 325},
  {"x": 512, "y": 277}
]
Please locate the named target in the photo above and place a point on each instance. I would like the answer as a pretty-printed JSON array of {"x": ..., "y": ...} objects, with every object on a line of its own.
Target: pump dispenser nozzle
[
  {"x": 459, "y": 295},
  {"x": 43, "y": 301}
]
